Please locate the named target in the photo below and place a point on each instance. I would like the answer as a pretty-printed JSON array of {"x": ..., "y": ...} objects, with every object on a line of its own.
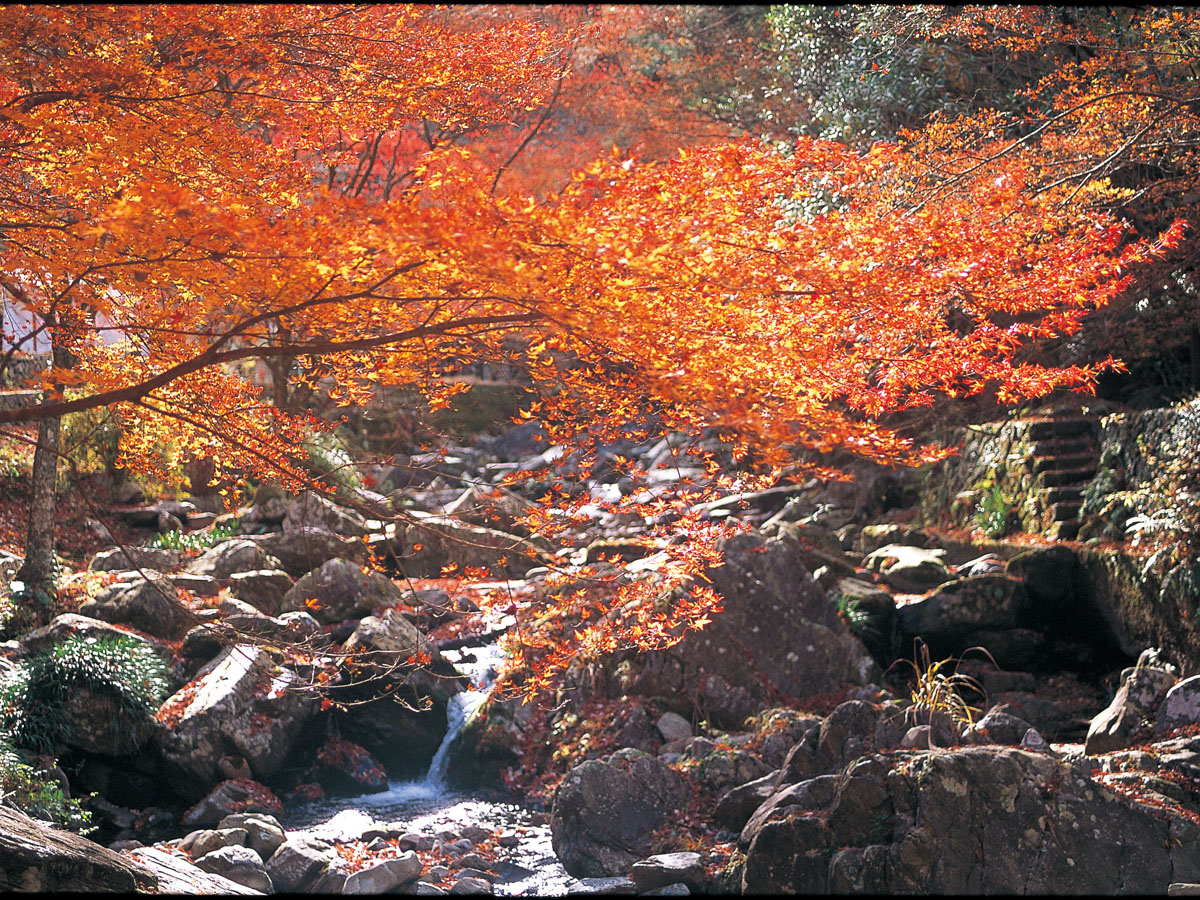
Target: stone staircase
[{"x": 1063, "y": 458}]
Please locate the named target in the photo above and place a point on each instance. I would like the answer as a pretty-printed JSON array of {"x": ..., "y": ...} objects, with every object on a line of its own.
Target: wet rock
[
  {"x": 298, "y": 861},
  {"x": 340, "y": 589},
  {"x": 38, "y": 859},
  {"x": 228, "y": 557},
  {"x": 242, "y": 702},
  {"x": 299, "y": 552},
  {"x": 263, "y": 589},
  {"x": 384, "y": 876},
  {"x": 125, "y": 558},
  {"x": 910, "y": 570},
  {"x": 1135, "y": 702},
  {"x": 238, "y": 864},
  {"x": 404, "y": 729},
  {"x": 346, "y": 768},
  {"x": 177, "y": 875},
  {"x": 669, "y": 868},
  {"x": 233, "y": 796},
  {"x": 488, "y": 742},
  {"x": 147, "y": 604},
  {"x": 618, "y": 885},
  {"x": 604, "y": 809}
]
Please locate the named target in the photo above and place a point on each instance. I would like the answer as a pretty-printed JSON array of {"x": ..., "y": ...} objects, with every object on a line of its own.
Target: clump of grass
[
  {"x": 33, "y": 699},
  {"x": 939, "y": 691}
]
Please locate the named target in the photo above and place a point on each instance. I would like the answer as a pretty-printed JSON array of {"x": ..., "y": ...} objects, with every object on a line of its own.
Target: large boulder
[
  {"x": 37, "y": 859},
  {"x": 228, "y": 557},
  {"x": 433, "y": 542},
  {"x": 263, "y": 589},
  {"x": 241, "y": 704},
  {"x": 948, "y": 616},
  {"x": 605, "y": 809},
  {"x": 778, "y": 634},
  {"x": 304, "y": 549},
  {"x": 176, "y": 875},
  {"x": 147, "y": 604},
  {"x": 970, "y": 821},
  {"x": 910, "y": 570},
  {"x": 121, "y": 558},
  {"x": 339, "y": 589},
  {"x": 1134, "y": 704},
  {"x": 311, "y": 510},
  {"x": 404, "y": 728}
]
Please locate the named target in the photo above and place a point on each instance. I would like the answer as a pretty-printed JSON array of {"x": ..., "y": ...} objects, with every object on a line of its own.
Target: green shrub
[
  {"x": 38, "y": 794},
  {"x": 993, "y": 512},
  {"x": 32, "y": 700}
]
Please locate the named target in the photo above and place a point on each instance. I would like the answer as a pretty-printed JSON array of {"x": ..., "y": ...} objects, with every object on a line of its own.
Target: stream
[{"x": 428, "y": 806}]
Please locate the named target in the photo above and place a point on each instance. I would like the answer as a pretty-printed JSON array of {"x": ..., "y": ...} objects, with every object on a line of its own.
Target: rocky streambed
[{"x": 800, "y": 743}]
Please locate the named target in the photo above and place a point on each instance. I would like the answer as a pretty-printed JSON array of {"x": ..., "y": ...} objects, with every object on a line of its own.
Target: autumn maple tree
[{"x": 187, "y": 187}]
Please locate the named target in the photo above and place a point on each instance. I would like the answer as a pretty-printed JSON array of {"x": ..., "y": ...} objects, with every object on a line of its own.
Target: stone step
[
  {"x": 1060, "y": 427},
  {"x": 1078, "y": 461},
  {"x": 1067, "y": 477},
  {"x": 1063, "y": 531},
  {"x": 1079, "y": 446},
  {"x": 1066, "y": 511},
  {"x": 1052, "y": 495}
]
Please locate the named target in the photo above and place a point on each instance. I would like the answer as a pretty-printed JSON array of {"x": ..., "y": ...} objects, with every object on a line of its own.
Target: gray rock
[
  {"x": 340, "y": 590},
  {"x": 228, "y": 557},
  {"x": 239, "y": 864},
  {"x": 998, "y": 727},
  {"x": 299, "y": 552},
  {"x": 604, "y": 809},
  {"x": 147, "y": 604},
  {"x": 236, "y": 793},
  {"x": 311, "y": 510},
  {"x": 469, "y": 885},
  {"x": 264, "y": 834},
  {"x": 384, "y": 876},
  {"x": 1134, "y": 704},
  {"x": 38, "y": 859},
  {"x": 176, "y": 875},
  {"x": 618, "y": 885},
  {"x": 928, "y": 813},
  {"x": 669, "y": 868},
  {"x": 205, "y": 842},
  {"x": 1180, "y": 707},
  {"x": 123, "y": 558},
  {"x": 242, "y": 702},
  {"x": 298, "y": 861},
  {"x": 963, "y": 606},
  {"x": 673, "y": 726},
  {"x": 910, "y": 570},
  {"x": 263, "y": 589}
]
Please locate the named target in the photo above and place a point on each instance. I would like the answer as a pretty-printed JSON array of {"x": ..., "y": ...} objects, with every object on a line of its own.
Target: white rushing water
[{"x": 428, "y": 805}]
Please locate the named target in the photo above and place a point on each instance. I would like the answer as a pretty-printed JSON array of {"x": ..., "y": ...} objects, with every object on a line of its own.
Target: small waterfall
[
  {"x": 482, "y": 672},
  {"x": 403, "y": 798}
]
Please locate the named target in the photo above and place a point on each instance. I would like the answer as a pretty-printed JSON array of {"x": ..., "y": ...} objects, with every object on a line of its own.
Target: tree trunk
[{"x": 38, "y": 570}]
